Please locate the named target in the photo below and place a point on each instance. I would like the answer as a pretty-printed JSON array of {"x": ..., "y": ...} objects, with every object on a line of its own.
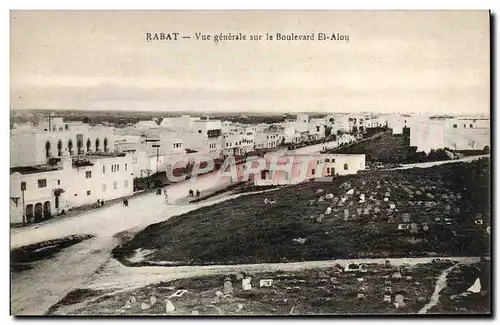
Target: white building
[
  {"x": 303, "y": 167},
  {"x": 42, "y": 191},
  {"x": 210, "y": 132},
  {"x": 460, "y": 133},
  {"x": 146, "y": 125},
  {"x": 184, "y": 122}
]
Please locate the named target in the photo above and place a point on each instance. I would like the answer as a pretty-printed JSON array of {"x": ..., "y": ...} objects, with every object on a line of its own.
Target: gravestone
[
  {"x": 152, "y": 300},
  {"x": 228, "y": 286},
  {"x": 246, "y": 284},
  {"x": 169, "y": 306}
]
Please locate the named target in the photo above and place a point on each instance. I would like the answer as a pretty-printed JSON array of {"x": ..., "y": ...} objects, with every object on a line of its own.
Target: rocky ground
[
  {"x": 357, "y": 289},
  {"x": 442, "y": 210},
  {"x": 456, "y": 299}
]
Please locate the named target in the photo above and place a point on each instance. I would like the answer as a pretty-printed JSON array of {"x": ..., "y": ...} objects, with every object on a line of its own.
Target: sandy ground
[
  {"x": 35, "y": 290},
  {"x": 437, "y": 163},
  {"x": 89, "y": 263}
]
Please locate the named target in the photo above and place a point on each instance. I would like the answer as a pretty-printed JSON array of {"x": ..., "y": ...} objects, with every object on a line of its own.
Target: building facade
[
  {"x": 37, "y": 193},
  {"x": 34, "y": 147}
]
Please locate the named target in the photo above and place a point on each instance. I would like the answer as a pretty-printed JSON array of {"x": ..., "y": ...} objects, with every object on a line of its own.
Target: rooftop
[{"x": 33, "y": 169}]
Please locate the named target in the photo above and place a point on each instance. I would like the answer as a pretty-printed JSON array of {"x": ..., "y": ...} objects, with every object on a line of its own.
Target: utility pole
[{"x": 23, "y": 188}]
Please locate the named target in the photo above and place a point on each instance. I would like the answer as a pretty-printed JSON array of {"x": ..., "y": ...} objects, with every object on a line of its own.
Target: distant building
[
  {"x": 306, "y": 167},
  {"x": 459, "y": 133},
  {"x": 34, "y": 146}
]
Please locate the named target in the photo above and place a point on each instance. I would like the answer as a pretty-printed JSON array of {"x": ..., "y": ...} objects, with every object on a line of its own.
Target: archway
[
  {"x": 46, "y": 210},
  {"x": 59, "y": 148},
  {"x": 105, "y": 144},
  {"x": 29, "y": 213},
  {"x": 89, "y": 143},
  {"x": 38, "y": 212},
  {"x": 97, "y": 143},
  {"x": 47, "y": 149},
  {"x": 79, "y": 146},
  {"x": 70, "y": 146}
]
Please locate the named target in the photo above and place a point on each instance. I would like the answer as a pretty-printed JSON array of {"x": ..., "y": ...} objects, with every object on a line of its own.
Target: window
[
  {"x": 117, "y": 167},
  {"x": 88, "y": 192},
  {"x": 104, "y": 169},
  {"x": 333, "y": 160},
  {"x": 104, "y": 187},
  {"x": 115, "y": 185},
  {"x": 125, "y": 166},
  {"x": 42, "y": 183},
  {"x": 471, "y": 126},
  {"x": 327, "y": 160},
  {"x": 59, "y": 148},
  {"x": 313, "y": 171},
  {"x": 47, "y": 149},
  {"x": 328, "y": 170},
  {"x": 88, "y": 174},
  {"x": 58, "y": 182},
  {"x": 126, "y": 183},
  {"x": 346, "y": 167},
  {"x": 465, "y": 125},
  {"x": 454, "y": 126}
]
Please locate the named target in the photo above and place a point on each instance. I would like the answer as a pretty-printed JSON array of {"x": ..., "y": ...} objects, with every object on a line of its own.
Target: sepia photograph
[{"x": 250, "y": 163}]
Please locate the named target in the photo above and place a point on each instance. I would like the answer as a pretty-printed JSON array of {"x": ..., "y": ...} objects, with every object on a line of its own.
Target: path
[
  {"x": 442, "y": 162},
  {"x": 35, "y": 290},
  {"x": 117, "y": 276},
  {"x": 440, "y": 285}
]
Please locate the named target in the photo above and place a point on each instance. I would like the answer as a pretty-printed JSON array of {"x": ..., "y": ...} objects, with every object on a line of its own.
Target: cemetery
[
  {"x": 439, "y": 211},
  {"x": 356, "y": 289}
]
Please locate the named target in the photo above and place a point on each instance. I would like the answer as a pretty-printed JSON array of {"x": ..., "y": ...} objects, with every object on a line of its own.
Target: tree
[{"x": 86, "y": 120}]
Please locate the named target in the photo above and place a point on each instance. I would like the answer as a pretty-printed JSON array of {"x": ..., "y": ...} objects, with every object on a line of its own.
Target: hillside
[
  {"x": 384, "y": 147},
  {"x": 318, "y": 221}
]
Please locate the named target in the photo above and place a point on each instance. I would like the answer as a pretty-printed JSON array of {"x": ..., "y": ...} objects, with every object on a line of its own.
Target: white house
[
  {"x": 303, "y": 167},
  {"x": 459, "y": 133},
  {"x": 42, "y": 191}
]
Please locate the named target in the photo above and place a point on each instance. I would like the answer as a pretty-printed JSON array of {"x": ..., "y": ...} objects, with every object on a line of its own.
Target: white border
[{"x": 204, "y": 5}]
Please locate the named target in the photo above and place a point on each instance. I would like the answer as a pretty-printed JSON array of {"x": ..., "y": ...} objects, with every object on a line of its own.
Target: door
[
  {"x": 46, "y": 210},
  {"x": 38, "y": 212},
  {"x": 29, "y": 213}
]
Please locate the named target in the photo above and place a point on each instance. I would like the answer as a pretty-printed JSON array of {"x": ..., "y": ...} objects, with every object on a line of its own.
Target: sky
[{"x": 395, "y": 61}]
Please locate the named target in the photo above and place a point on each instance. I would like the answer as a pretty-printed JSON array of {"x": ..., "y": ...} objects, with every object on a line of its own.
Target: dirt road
[
  {"x": 437, "y": 163},
  {"x": 35, "y": 290}
]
